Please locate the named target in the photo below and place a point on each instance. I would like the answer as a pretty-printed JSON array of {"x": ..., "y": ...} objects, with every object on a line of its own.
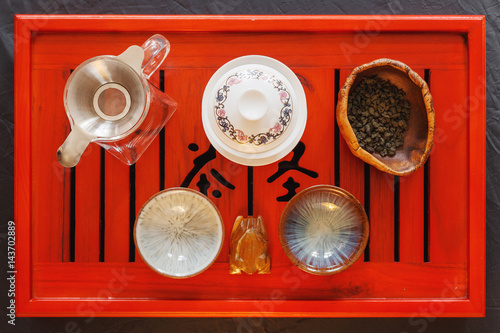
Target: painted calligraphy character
[
  {"x": 284, "y": 166},
  {"x": 199, "y": 162}
]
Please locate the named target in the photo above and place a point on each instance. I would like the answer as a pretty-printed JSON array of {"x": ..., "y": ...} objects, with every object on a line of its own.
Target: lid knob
[{"x": 253, "y": 104}]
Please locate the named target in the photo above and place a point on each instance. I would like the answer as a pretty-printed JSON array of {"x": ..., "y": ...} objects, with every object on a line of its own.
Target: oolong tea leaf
[{"x": 378, "y": 113}]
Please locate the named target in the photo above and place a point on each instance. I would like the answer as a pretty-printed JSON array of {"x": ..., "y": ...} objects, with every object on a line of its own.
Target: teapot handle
[{"x": 155, "y": 49}]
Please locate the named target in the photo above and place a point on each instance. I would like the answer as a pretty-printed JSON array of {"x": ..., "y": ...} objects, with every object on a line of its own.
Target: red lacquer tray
[{"x": 75, "y": 250}]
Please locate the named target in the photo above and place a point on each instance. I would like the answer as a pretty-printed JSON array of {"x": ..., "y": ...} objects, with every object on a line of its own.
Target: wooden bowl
[{"x": 419, "y": 136}]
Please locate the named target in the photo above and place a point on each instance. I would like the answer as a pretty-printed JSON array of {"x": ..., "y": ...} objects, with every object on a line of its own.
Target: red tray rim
[{"x": 472, "y": 26}]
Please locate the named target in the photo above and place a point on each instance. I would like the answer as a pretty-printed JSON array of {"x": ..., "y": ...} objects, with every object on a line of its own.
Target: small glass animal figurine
[{"x": 249, "y": 247}]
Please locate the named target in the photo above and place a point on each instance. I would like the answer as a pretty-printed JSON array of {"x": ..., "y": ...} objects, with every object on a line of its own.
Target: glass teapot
[{"x": 110, "y": 101}]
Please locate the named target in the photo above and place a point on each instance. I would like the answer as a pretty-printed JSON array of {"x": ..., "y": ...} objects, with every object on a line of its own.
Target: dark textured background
[{"x": 489, "y": 8}]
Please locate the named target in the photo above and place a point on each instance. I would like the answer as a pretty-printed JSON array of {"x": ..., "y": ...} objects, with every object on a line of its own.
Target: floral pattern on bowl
[{"x": 261, "y": 138}]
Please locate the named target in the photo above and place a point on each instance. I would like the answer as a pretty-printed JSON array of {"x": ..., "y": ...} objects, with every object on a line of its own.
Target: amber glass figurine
[{"x": 249, "y": 247}]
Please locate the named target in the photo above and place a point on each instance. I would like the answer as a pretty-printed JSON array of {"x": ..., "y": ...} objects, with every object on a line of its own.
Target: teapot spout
[{"x": 68, "y": 155}]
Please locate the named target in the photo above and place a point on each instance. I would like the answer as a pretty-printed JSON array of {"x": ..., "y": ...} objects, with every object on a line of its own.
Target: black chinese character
[
  {"x": 293, "y": 164},
  {"x": 291, "y": 185},
  {"x": 199, "y": 162}
]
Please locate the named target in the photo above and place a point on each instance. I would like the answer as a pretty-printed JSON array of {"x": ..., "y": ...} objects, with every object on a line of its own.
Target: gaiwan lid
[{"x": 254, "y": 110}]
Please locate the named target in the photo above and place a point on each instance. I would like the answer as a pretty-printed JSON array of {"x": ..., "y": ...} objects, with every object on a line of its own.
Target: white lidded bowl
[
  {"x": 254, "y": 110},
  {"x": 179, "y": 232}
]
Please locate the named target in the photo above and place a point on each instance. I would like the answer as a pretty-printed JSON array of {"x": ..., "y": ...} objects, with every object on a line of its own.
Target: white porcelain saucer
[{"x": 254, "y": 110}]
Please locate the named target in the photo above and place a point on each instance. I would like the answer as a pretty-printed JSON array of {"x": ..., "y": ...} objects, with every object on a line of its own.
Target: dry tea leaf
[{"x": 379, "y": 114}]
